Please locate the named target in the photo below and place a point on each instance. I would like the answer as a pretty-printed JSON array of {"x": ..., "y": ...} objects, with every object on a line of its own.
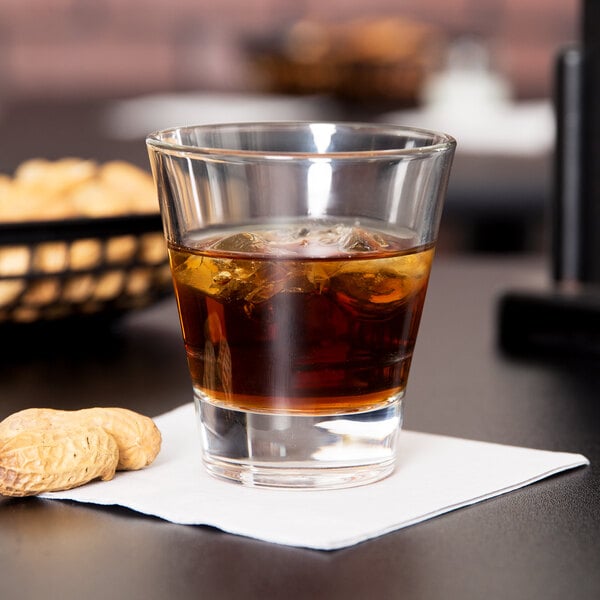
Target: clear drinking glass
[{"x": 300, "y": 255}]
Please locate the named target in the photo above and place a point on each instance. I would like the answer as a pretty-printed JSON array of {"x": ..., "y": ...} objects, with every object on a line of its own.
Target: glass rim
[{"x": 440, "y": 142}]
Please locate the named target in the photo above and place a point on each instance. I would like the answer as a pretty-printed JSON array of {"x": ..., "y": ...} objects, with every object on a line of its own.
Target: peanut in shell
[
  {"x": 60, "y": 458},
  {"x": 137, "y": 437}
]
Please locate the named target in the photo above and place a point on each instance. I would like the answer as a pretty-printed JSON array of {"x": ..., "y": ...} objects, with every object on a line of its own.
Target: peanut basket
[{"x": 53, "y": 270}]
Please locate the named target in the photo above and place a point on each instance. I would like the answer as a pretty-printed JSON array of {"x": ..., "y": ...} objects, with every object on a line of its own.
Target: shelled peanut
[{"x": 43, "y": 449}]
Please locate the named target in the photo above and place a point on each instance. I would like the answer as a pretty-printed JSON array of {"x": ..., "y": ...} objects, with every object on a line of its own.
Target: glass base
[{"x": 300, "y": 451}]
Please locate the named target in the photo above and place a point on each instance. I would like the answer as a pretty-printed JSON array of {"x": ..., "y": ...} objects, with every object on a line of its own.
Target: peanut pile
[
  {"x": 44, "y": 450},
  {"x": 75, "y": 187}
]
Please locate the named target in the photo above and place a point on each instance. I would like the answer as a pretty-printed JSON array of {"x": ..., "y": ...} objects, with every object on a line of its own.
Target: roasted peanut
[
  {"x": 137, "y": 437},
  {"x": 29, "y": 418},
  {"x": 42, "y": 460},
  {"x": 72, "y": 187}
]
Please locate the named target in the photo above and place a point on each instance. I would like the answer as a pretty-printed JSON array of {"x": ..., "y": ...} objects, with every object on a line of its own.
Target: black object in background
[
  {"x": 565, "y": 320},
  {"x": 590, "y": 142}
]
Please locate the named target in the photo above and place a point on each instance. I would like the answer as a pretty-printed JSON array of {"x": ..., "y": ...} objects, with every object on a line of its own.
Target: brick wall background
[{"x": 82, "y": 48}]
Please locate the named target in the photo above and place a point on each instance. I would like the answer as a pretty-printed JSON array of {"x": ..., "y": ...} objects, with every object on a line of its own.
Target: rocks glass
[{"x": 300, "y": 255}]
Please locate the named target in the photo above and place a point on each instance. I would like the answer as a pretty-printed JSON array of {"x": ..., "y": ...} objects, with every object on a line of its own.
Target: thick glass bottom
[{"x": 300, "y": 451}]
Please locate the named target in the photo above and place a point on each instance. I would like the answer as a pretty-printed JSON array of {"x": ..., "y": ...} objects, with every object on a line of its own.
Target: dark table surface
[{"x": 542, "y": 541}]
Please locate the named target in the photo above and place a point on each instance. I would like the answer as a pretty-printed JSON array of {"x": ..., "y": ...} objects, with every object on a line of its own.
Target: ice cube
[
  {"x": 197, "y": 272},
  {"x": 219, "y": 278},
  {"x": 370, "y": 294},
  {"x": 235, "y": 279},
  {"x": 355, "y": 239},
  {"x": 329, "y": 236},
  {"x": 376, "y": 287},
  {"x": 243, "y": 242},
  {"x": 318, "y": 275}
]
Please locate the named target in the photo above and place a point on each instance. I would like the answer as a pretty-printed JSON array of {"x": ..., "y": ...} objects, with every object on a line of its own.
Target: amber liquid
[{"x": 309, "y": 330}]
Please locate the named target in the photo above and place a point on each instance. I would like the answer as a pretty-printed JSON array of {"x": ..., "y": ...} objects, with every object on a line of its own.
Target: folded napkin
[{"x": 435, "y": 474}]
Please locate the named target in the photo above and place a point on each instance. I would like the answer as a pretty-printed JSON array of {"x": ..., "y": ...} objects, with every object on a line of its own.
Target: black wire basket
[{"x": 83, "y": 267}]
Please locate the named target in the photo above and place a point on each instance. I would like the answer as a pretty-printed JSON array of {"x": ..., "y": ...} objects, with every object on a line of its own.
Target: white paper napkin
[{"x": 436, "y": 474}]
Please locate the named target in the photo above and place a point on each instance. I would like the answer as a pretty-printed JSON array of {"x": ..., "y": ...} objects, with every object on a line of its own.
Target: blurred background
[{"x": 90, "y": 79}]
